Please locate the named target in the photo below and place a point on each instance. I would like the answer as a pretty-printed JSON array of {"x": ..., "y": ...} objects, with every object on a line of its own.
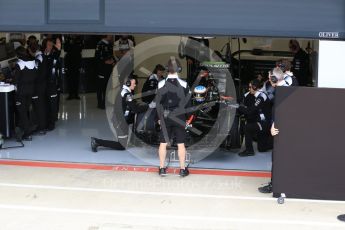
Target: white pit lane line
[
  {"x": 154, "y": 216},
  {"x": 168, "y": 217},
  {"x": 190, "y": 195}
]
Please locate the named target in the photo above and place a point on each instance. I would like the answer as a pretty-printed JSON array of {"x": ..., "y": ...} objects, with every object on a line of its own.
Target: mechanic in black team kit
[{"x": 173, "y": 97}]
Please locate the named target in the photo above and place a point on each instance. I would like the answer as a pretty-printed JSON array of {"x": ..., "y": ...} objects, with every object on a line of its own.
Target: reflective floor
[{"x": 80, "y": 119}]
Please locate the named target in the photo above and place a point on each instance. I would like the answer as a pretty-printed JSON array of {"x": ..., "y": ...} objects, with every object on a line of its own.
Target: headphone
[
  {"x": 274, "y": 79},
  {"x": 128, "y": 82}
]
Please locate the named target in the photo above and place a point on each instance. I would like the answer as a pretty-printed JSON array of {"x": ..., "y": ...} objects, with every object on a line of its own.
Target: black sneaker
[
  {"x": 266, "y": 188},
  {"x": 341, "y": 217},
  {"x": 162, "y": 172},
  {"x": 94, "y": 144},
  {"x": 246, "y": 153},
  {"x": 184, "y": 172}
]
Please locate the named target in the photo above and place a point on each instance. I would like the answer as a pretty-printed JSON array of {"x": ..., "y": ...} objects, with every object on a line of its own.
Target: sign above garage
[{"x": 265, "y": 18}]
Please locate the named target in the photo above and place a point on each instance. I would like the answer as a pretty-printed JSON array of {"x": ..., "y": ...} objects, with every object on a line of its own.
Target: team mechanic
[
  {"x": 173, "y": 97},
  {"x": 130, "y": 107}
]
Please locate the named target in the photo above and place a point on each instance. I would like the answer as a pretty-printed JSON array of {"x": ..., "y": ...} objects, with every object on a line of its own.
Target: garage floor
[{"x": 79, "y": 120}]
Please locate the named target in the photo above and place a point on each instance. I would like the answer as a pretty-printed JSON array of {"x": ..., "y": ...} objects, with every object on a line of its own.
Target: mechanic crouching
[
  {"x": 258, "y": 116},
  {"x": 130, "y": 107}
]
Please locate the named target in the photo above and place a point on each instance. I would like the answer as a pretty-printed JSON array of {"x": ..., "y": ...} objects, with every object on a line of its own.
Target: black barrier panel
[
  {"x": 309, "y": 152},
  {"x": 276, "y": 18}
]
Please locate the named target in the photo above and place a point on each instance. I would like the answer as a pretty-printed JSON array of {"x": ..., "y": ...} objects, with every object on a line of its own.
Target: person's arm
[
  {"x": 56, "y": 54},
  {"x": 150, "y": 90},
  {"x": 138, "y": 107},
  {"x": 99, "y": 53},
  {"x": 134, "y": 105},
  {"x": 259, "y": 103},
  {"x": 43, "y": 66},
  {"x": 159, "y": 106},
  {"x": 58, "y": 70},
  {"x": 17, "y": 75},
  {"x": 67, "y": 45}
]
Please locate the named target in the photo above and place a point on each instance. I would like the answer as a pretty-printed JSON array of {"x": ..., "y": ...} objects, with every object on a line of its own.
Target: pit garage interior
[{"x": 248, "y": 47}]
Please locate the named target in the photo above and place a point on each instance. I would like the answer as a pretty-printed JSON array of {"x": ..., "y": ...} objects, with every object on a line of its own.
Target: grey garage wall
[{"x": 279, "y": 18}]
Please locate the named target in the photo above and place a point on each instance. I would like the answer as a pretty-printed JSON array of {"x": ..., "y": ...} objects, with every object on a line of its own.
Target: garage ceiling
[{"x": 276, "y": 18}]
